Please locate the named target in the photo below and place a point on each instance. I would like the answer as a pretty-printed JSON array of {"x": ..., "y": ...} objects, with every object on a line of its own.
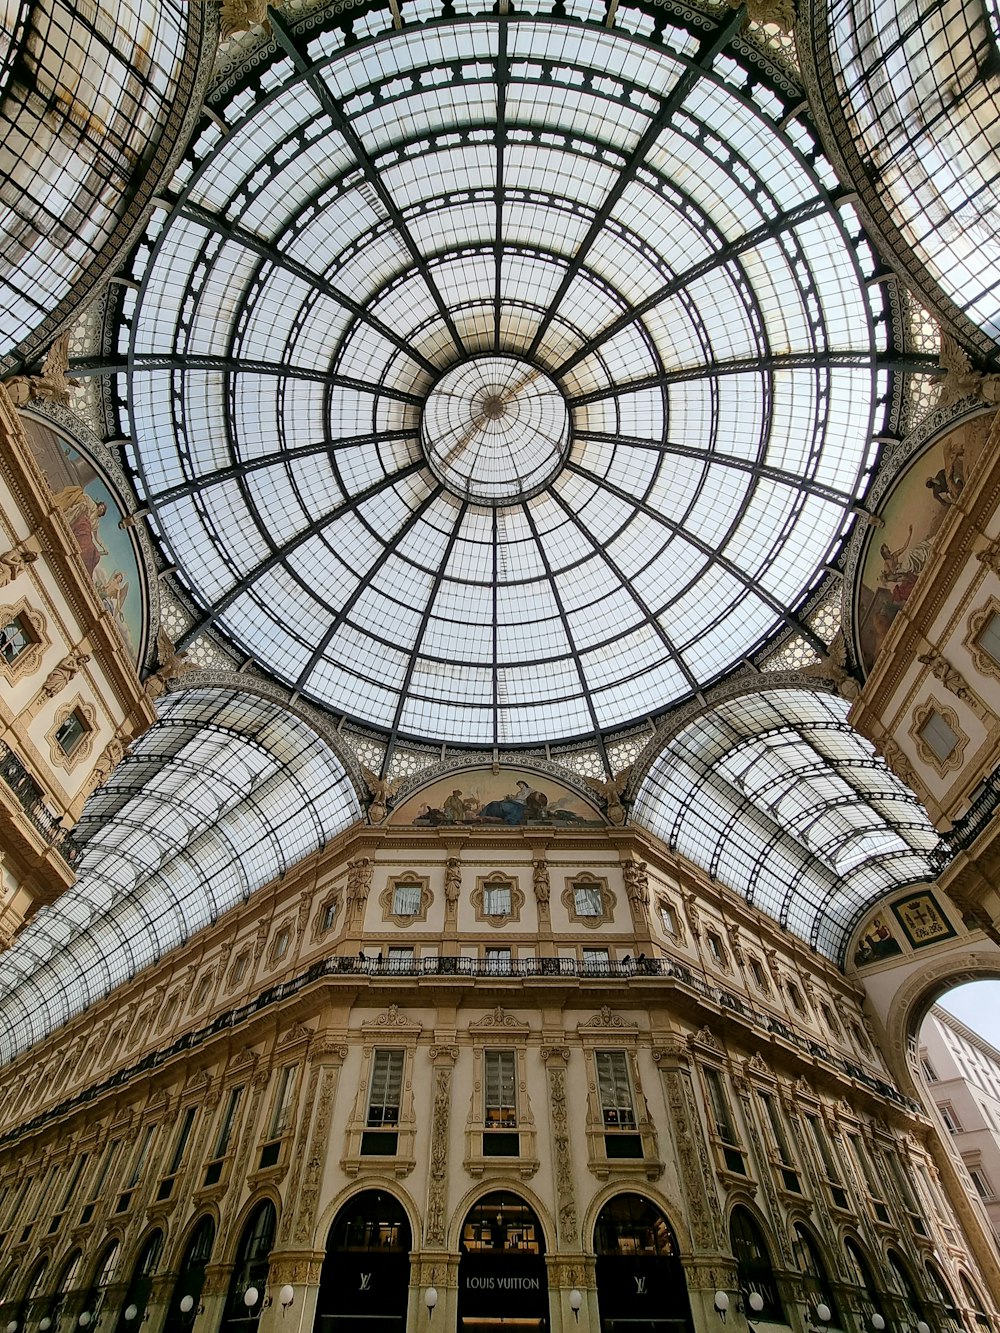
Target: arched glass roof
[
  {"x": 86, "y": 92},
  {"x": 222, "y": 795},
  {"x": 777, "y": 796},
  {"x": 690, "y": 368},
  {"x": 915, "y": 90}
]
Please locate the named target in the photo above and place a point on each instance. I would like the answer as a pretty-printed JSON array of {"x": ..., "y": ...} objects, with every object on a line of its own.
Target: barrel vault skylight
[{"x": 501, "y": 379}]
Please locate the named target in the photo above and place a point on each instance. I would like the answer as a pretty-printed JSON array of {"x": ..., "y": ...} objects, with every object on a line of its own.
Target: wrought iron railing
[
  {"x": 966, "y": 830},
  {"x": 17, "y": 778}
]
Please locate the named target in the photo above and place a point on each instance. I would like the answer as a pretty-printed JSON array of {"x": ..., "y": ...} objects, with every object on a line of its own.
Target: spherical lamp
[
  {"x": 575, "y": 1303},
  {"x": 430, "y": 1300},
  {"x": 824, "y": 1314},
  {"x": 756, "y": 1302},
  {"x": 250, "y": 1297},
  {"x": 187, "y": 1304},
  {"x": 131, "y": 1313},
  {"x": 878, "y": 1323},
  {"x": 286, "y": 1296}
]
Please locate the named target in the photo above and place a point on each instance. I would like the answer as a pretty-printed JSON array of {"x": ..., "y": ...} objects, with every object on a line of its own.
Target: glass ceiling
[
  {"x": 225, "y": 793},
  {"x": 916, "y": 83},
  {"x": 399, "y": 228},
  {"x": 778, "y": 797},
  {"x": 85, "y": 91}
]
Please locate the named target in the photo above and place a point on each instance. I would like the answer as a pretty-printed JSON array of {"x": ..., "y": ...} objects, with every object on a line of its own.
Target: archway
[
  {"x": 754, "y": 1270},
  {"x": 250, "y": 1269},
  {"x": 815, "y": 1275},
  {"x": 365, "y": 1280},
  {"x": 641, "y": 1285},
  {"x": 191, "y": 1276},
  {"x": 140, "y": 1284},
  {"x": 104, "y": 1275},
  {"x": 501, "y": 1274}
]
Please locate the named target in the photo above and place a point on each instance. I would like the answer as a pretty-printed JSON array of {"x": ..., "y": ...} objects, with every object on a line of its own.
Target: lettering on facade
[
  {"x": 640, "y": 1286},
  {"x": 502, "y": 1283},
  {"x": 366, "y": 1282}
]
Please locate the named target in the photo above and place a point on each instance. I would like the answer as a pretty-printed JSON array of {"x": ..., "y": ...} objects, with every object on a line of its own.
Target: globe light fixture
[
  {"x": 823, "y": 1313},
  {"x": 722, "y": 1304},
  {"x": 430, "y": 1300},
  {"x": 575, "y": 1302},
  {"x": 250, "y": 1297}
]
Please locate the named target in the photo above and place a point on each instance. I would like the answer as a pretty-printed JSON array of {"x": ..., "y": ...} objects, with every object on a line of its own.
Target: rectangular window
[
  {"x": 500, "y": 1076},
  {"x": 281, "y": 943},
  {"x": 496, "y": 900},
  {"x": 282, "y": 1102},
  {"x": 588, "y": 900},
  {"x": 74, "y": 1181},
  {"x": 938, "y": 735},
  {"x": 951, "y": 1120},
  {"x": 982, "y": 1185},
  {"x": 386, "y": 1088},
  {"x": 498, "y": 962},
  {"x": 71, "y": 732},
  {"x": 140, "y": 1158},
  {"x": 182, "y": 1138},
  {"x": 719, "y": 1102},
  {"x": 228, "y": 1120},
  {"x": 615, "y": 1090},
  {"x": 329, "y": 915},
  {"x": 928, "y": 1069},
  {"x": 789, "y": 1175},
  {"x": 988, "y": 637},
  {"x": 668, "y": 919},
  {"x": 759, "y": 976},
  {"x": 830, "y": 1019},
  {"x": 406, "y": 900},
  {"x": 15, "y": 638},
  {"x": 874, "y": 1185},
  {"x": 597, "y": 962},
  {"x": 823, "y": 1147},
  {"x": 717, "y": 949}
]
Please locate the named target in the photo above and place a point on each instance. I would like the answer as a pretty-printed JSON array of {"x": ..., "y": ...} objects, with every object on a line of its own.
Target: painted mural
[
  {"x": 876, "y": 942},
  {"x": 513, "y": 797},
  {"x": 93, "y": 513},
  {"x": 915, "y": 509}
]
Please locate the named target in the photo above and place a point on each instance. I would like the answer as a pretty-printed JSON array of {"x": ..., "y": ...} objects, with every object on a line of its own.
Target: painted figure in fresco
[
  {"x": 84, "y": 514},
  {"x": 513, "y": 809}
]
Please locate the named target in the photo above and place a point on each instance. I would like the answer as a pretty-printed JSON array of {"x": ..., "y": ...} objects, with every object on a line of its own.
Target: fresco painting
[
  {"x": 93, "y": 513},
  {"x": 876, "y": 942},
  {"x": 915, "y": 509},
  {"x": 514, "y": 797}
]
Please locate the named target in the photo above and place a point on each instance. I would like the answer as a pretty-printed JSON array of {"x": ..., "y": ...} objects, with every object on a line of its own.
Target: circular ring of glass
[{"x": 495, "y": 429}]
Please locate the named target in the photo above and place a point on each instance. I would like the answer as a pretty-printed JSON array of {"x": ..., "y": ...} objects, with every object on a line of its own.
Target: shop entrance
[
  {"x": 365, "y": 1281},
  {"x": 502, "y": 1283},
  {"x": 641, "y": 1286}
]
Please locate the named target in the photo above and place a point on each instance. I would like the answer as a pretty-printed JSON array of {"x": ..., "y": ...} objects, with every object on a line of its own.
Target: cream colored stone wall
[{"x": 187, "y": 1033}]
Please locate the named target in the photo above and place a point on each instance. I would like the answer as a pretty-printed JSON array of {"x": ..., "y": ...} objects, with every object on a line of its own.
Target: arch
[
  {"x": 501, "y": 1272},
  {"x": 479, "y": 1191},
  {"x": 105, "y": 1272},
  {"x": 674, "y": 1216},
  {"x": 974, "y": 1301},
  {"x": 251, "y": 1265},
  {"x": 815, "y": 1273},
  {"x": 366, "y": 1271},
  {"x": 754, "y": 1267},
  {"x": 944, "y": 1294},
  {"x": 36, "y": 1276},
  {"x": 777, "y": 796},
  {"x": 859, "y": 1268},
  {"x": 641, "y": 1284},
  {"x": 904, "y": 1283},
  {"x": 191, "y": 1274},
  {"x": 140, "y": 1282},
  {"x": 341, "y": 1200}
]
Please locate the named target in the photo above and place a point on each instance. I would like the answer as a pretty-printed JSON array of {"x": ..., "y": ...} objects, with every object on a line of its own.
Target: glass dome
[{"x": 501, "y": 380}]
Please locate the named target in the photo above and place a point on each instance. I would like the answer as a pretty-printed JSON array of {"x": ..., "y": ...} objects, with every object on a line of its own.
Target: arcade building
[{"x": 499, "y": 662}]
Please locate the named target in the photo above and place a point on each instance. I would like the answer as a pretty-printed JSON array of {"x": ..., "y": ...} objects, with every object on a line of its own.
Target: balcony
[{"x": 22, "y": 785}]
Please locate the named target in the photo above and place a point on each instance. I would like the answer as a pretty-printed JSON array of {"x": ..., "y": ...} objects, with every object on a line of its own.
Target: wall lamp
[
  {"x": 822, "y": 1314},
  {"x": 575, "y": 1302},
  {"x": 187, "y": 1305},
  {"x": 877, "y": 1322},
  {"x": 286, "y": 1297},
  {"x": 754, "y": 1300},
  {"x": 132, "y": 1314},
  {"x": 430, "y": 1300}
]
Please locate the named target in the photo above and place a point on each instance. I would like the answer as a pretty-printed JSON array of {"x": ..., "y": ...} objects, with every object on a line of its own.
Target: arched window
[
  {"x": 104, "y": 1274},
  {"x": 250, "y": 1269},
  {"x": 938, "y": 1284},
  {"x": 641, "y": 1283},
  {"x": 191, "y": 1276},
  {"x": 366, "y": 1272},
  {"x": 141, "y": 1282},
  {"x": 905, "y": 1285},
  {"x": 975, "y": 1302},
  {"x": 34, "y": 1286},
  {"x": 814, "y": 1270},
  {"x": 860, "y": 1273},
  {"x": 754, "y": 1271}
]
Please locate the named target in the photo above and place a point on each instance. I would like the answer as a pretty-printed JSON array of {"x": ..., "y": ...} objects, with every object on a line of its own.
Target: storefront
[
  {"x": 365, "y": 1279},
  {"x": 641, "y": 1286},
  {"x": 502, "y": 1281}
]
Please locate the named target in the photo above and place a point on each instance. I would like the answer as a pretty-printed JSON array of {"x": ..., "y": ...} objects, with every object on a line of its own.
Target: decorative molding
[
  {"x": 393, "y": 1018},
  {"x": 609, "y": 900},
  {"x": 437, "y": 1187},
  {"x": 387, "y": 897},
  {"x": 566, "y": 1213},
  {"x": 499, "y": 1018},
  {"x": 984, "y": 662},
  {"x": 498, "y": 879},
  {"x": 85, "y": 745},
  {"x": 607, "y": 1019},
  {"x": 952, "y": 762},
  {"x": 27, "y": 662}
]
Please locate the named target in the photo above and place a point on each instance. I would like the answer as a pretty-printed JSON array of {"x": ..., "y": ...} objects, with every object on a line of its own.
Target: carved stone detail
[
  {"x": 305, "y": 1218},
  {"x": 697, "y": 1176},
  {"x": 435, "y": 1223},
  {"x": 565, "y": 1200}
]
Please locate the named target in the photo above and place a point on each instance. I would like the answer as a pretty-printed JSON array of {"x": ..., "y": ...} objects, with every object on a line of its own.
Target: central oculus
[{"x": 495, "y": 429}]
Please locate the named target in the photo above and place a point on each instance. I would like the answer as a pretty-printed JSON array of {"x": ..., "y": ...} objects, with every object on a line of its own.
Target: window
[
  {"x": 754, "y": 1272},
  {"x": 70, "y": 732},
  {"x": 240, "y": 968},
  {"x": 982, "y": 1186},
  {"x": 588, "y": 900},
  {"x": 871, "y": 1180},
  {"x": 386, "y": 1088},
  {"x": 496, "y": 900},
  {"x": 182, "y": 1140},
  {"x": 281, "y": 942},
  {"x": 615, "y": 1090},
  {"x": 988, "y": 637},
  {"x": 597, "y": 962},
  {"x": 140, "y": 1157},
  {"x": 717, "y": 949},
  {"x": 327, "y": 916},
  {"x": 498, "y": 962},
  {"x": 938, "y": 735},
  {"x": 214, "y": 1170},
  {"x": 758, "y": 976},
  {"x": 668, "y": 919},
  {"x": 830, "y": 1019},
  {"x": 795, "y": 995},
  {"x": 725, "y": 1128},
  {"x": 406, "y": 899},
  {"x": 400, "y": 960},
  {"x": 201, "y": 993},
  {"x": 16, "y": 638},
  {"x": 789, "y": 1175},
  {"x": 928, "y": 1069},
  {"x": 280, "y": 1116},
  {"x": 951, "y": 1120},
  {"x": 500, "y": 1079}
]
